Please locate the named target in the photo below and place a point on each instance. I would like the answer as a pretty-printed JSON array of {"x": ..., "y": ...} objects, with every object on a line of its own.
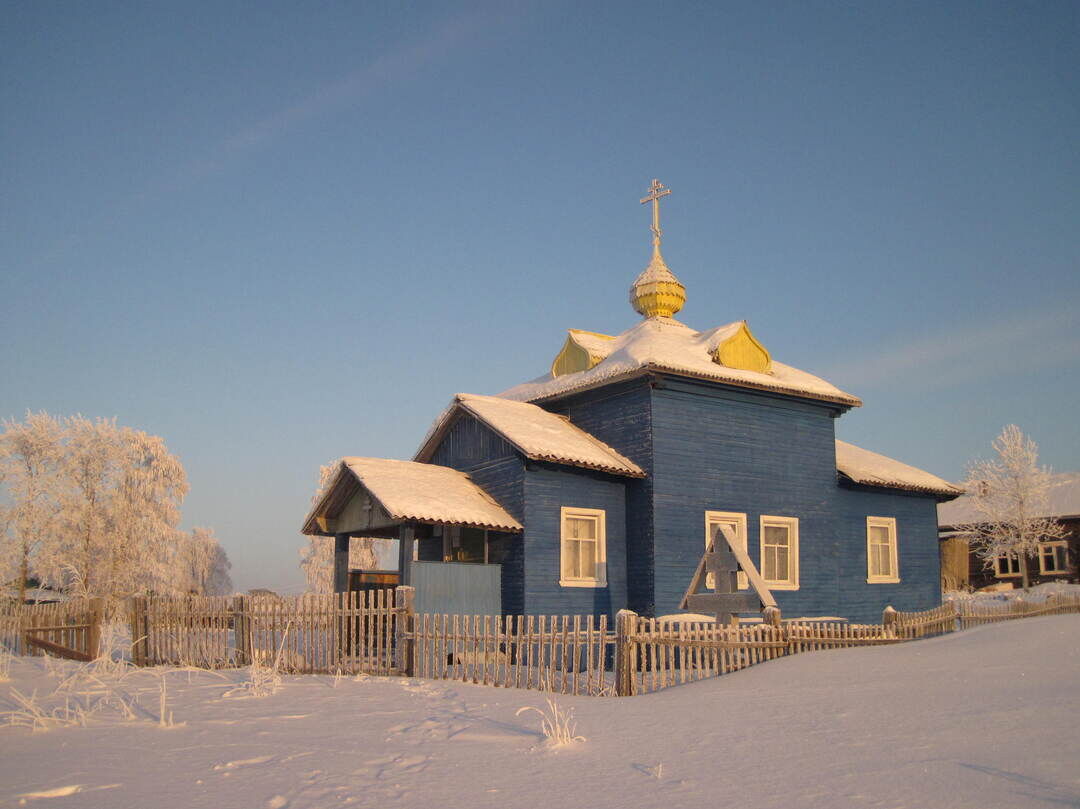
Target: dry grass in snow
[{"x": 556, "y": 723}]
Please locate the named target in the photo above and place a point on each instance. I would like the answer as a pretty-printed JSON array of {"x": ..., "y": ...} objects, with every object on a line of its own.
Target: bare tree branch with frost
[{"x": 1010, "y": 499}]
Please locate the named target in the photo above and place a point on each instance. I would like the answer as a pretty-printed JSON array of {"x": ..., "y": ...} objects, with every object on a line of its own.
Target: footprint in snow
[
  {"x": 61, "y": 792},
  {"x": 245, "y": 762},
  {"x": 380, "y": 768}
]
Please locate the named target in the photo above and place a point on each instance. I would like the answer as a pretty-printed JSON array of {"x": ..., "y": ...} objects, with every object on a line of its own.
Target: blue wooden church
[{"x": 598, "y": 486}]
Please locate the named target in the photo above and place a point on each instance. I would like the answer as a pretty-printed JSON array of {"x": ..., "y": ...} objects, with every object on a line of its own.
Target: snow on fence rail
[{"x": 380, "y": 633}]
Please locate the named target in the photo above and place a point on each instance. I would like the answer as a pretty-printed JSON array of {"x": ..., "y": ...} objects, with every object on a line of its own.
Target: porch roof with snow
[
  {"x": 533, "y": 431},
  {"x": 664, "y": 344},
  {"x": 378, "y": 493},
  {"x": 872, "y": 469}
]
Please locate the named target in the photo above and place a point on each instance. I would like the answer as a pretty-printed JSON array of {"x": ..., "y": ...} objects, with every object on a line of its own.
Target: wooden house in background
[
  {"x": 1056, "y": 560},
  {"x": 598, "y": 486}
]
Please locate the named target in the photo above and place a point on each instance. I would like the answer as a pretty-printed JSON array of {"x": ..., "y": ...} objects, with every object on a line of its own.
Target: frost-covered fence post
[
  {"x": 241, "y": 622},
  {"x": 404, "y": 629},
  {"x": 770, "y": 616},
  {"x": 140, "y": 631},
  {"x": 625, "y": 652},
  {"x": 95, "y": 618},
  {"x": 888, "y": 621}
]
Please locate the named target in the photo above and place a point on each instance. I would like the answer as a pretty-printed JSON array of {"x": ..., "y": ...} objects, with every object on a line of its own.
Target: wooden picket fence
[
  {"x": 314, "y": 633},
  {"x": 652, "y": 654},
  {"x": 566, "y": 654},
  {"x": 69, "y": 629},
  {"x": 970, "y": 614},
  {"x": 380, "y": 633},
  {"x": 913, "y": 625}
]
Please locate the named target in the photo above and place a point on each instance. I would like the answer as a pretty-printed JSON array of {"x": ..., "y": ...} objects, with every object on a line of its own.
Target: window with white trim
[
  {"x": 1006, "y": 565},
  {"x": 736, "y": 521},
  {"x": 882, "y": 565},
  {"x": 1054, "y": 557},
  {"x": 780, "y": 552},
  {"x": 583, "y": 548}
]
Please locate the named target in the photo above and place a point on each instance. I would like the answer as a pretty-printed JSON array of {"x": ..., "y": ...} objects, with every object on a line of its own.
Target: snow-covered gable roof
[
  {"x": 872, "y": 469},
  {"x": 1064, "y": 502},
  {"x": 418, "y": 492},
  {"x": 535, "y": 432},
  {"x": 664, "y": 344}
]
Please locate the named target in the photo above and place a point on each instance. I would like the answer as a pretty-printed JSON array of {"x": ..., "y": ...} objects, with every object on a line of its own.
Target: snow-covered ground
[{"x": 982, "y": 718}]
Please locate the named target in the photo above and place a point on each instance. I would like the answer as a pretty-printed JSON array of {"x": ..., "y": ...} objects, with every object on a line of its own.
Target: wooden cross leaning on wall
[{"x": 725, "y": 563}]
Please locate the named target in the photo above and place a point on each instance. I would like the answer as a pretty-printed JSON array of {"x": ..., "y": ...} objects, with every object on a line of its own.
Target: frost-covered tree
[
  {"x": 122, "y": 491},
  {"x": 90, "y": 506},
  {"x": 30, "y": 456},
  {"x": 203, "y": 564},
  {"x": 317, "y": 553},
  {"x": 1009, "y": 498}
]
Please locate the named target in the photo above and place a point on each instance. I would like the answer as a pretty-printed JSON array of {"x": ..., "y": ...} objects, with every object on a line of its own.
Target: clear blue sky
[{"x": 279, "y": 233}]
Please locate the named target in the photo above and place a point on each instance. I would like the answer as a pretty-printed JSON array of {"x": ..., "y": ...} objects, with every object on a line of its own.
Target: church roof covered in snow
[
  {"x": 535, "y": 432},
  {"x": 665, "y": 344},
  {"x": 408, "y": 491},
  {"x": 1063, "y": 502},
  {"x": 871, "y": 469}
]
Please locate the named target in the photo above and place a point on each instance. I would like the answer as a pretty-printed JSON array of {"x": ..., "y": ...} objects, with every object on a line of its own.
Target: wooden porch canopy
[{"x": 388, "y": 498}]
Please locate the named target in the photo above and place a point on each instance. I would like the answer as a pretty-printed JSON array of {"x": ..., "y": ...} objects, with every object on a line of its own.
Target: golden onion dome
[{"x": 657, "y": 292}]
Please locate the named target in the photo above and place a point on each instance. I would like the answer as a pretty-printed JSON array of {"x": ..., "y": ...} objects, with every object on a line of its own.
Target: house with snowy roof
[
  {"x": 1056, "y": 560},
  {"x": 599, "y": 485}
]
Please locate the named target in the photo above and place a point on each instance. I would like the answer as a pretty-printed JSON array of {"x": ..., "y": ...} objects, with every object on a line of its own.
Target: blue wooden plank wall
[
  {"x": 497, "y": 468},
  {"x": 917, "y": 548},
  {"x": 621, "y": 416},
  {"x": 729, "y": 450},
  {"x": 726, "y": 450},
  {"x": 547, "y": 489},
  {"x": 469, "y": 443}
]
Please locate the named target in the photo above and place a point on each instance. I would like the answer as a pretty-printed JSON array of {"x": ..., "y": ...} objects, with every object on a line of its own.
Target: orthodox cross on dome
[
  {"x": 657, "y": 292},
  {"x": 656, "y": 190}
]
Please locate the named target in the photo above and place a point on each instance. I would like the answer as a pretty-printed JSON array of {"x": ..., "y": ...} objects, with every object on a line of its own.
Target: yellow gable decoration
[
  {"x": 581, "y": 351},
  {"x": 742, "y": 350}
]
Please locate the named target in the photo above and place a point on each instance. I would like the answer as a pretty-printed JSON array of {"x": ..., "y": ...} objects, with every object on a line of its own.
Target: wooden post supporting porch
[
  {"x": 341, "y": 562},
  {"x": 406, "y": 534}
]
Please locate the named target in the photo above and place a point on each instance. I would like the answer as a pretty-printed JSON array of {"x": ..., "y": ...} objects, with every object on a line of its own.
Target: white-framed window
[
  {"x": 1007, "y": 565},
  {"x": 583, "y": 548},
  {"x": 780, "y": 552},
  {"x": 1054, "y": 557},
  {"x": 736, "y": 521},
  {"x": 882, "y": 564}
]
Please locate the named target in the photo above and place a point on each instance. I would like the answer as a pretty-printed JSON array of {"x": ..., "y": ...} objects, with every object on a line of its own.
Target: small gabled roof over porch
[{"x": 368, "y": 495}]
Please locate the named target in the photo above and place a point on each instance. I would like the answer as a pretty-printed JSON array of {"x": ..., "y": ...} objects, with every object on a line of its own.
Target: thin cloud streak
[
  {"x": 964, "y": 354},
  {"x": 396, "y": 66}
]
